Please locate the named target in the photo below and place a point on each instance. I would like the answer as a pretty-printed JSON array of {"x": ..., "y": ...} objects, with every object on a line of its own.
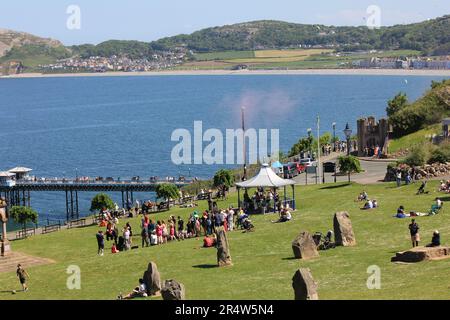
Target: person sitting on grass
[
  {"x": 209, "y": 241},
  {"x": 375, "y": 203},
  {"x": 401, "y": 212},
  {"x": 114, "y": 249},
  {"x": 368, "y": 205},
  {"x": 285, "y": 216},
  {"x": 362, "y": 196},
  {"x": 139, "y": 291},
  {"x": 435, "y": 240},
  {"x": 436, "y": 207}
]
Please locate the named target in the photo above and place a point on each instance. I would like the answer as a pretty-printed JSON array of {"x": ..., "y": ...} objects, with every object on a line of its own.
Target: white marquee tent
[{"x": 267, "y": 178}]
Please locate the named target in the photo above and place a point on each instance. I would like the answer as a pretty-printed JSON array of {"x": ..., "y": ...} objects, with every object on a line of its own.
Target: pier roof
[
  {"x": 6, "y": 174},
  {"x": 20, "y": 170}
]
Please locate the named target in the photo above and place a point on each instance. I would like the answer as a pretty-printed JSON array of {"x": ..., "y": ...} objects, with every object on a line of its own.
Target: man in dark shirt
[
  {"x": 22, "y": 275},
  {"x": 414, "y": 232},
  {"x": 180, "y": 225},
  {"x": 100, "y": 242}
]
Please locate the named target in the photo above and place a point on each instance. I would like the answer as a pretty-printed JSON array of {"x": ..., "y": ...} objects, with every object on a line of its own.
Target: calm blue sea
[{"x": 121, "y": 126}]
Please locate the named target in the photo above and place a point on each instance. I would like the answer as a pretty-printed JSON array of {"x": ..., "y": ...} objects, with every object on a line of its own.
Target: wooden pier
[{"x": 19, "y": 192}]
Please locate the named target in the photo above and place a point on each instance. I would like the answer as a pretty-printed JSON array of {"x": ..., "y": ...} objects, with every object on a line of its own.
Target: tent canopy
[
  {"x": 265, "y": 178},
  {"x": 277, "y": 164}
]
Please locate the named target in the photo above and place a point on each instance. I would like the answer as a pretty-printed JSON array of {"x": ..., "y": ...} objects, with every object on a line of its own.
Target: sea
[{"x": 123, "y": 126}]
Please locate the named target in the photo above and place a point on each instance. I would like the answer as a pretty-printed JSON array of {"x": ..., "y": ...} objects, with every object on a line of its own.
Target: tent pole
[{"x": 239, "y": 198}]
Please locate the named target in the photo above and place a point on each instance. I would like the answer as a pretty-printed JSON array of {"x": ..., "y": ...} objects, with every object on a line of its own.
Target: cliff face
[{"x": 10, "y": 39}]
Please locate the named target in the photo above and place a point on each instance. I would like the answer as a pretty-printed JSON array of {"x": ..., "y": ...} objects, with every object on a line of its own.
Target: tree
[
  {"x": 23, "y": 215},
  {"x": 349, "y": 164},
  {"x": 325, "y": 139},
  {"x": 303, "y": 145},
  {"x": 223, "y": 179},
  {"x": 396, "y": 104},
  {"x": 101, "y": 201},
  {"x": 167, "y": 191}
]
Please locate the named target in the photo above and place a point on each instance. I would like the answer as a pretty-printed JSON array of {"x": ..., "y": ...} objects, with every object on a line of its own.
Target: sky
[{"x": 148, "y": 20}]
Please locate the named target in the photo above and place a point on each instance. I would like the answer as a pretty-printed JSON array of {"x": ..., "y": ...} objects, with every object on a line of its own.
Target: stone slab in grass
[
  {"x": 343, "y": 230},
  {"x": 305, "y": 288},
  {"x": 152, "y": 280},
  {"x": 304, "y": 246},
  {"x": 173, "y": 290},
  {"x": 419, "y": 254}
]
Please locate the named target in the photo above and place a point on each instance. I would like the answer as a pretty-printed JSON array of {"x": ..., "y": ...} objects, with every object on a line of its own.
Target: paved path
[
  {"x": 9, "y": 262},
  {"x": 374, "y": 172}
]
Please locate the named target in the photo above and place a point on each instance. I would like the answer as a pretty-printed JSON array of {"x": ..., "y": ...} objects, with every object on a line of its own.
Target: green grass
[
  {"x": 413, "y": 139},
  {"x": 263, "y": 264},
  {"x": 224, "y": 55}
]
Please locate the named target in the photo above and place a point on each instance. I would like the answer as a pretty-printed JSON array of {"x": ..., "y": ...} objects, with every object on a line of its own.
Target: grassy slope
[
  {"x": 413, "y": 139},
  {"x": 263, "y": 267},
  {"x": 291, "y": 59}
]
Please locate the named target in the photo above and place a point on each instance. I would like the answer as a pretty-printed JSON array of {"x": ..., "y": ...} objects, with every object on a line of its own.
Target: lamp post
[
  {"x": 348, "y": 134},
  {"x": 334, "y": 136},
  {"x": 309, "y": 130},
  {"x": 243, "y": 143}
]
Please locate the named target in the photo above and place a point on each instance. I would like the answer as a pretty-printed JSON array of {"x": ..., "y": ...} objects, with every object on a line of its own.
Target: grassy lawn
[
  {"x": 413, "y": 139},
  {"x": 263, "y": 264}
]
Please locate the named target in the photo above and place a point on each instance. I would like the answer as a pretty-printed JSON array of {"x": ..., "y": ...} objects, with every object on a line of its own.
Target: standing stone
[
  {"x": 173, "y": 290},
  {"x": 223, "y": 249},
  {"x": 152, "y": 279},
  {"x": 304, "y": 246},
  {"x": 343, "y": 230},
  {"x": 4, "y": 243},
  {"x": 305, "y": 288}
]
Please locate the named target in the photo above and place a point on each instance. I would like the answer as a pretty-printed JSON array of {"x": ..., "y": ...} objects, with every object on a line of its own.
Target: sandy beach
[{"x": 368, "y": 72}]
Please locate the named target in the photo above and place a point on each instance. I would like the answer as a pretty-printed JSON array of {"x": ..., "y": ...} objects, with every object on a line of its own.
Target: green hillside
[
  {"x": 431, "y": 108},
  {"x": 428, "y": 36}
]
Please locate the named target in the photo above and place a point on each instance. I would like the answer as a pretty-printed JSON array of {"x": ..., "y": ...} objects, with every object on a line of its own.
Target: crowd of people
[{"x": 158, "y": 232}]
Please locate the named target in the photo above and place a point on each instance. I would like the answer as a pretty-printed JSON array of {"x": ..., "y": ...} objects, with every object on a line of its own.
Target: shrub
[
  {"x": 349, "y": 164},
  {"x": 418, "y": 157}
]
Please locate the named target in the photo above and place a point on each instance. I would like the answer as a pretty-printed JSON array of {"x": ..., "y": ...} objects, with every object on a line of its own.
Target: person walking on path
[
  {"x": 101, "y": 242},
  {"x": 22, "y": 274},
  {"x": 414, "y": 232}
]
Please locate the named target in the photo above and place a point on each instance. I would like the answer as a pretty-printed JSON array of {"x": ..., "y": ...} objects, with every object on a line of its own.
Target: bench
[
  {"x": 51, "y": 228},
  {"x": 21, "y": 234},
  {"x": 76, "y": 223}
]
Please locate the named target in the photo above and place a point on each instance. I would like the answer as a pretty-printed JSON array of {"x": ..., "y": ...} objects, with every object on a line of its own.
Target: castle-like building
[{"x": 373, "y": 136}]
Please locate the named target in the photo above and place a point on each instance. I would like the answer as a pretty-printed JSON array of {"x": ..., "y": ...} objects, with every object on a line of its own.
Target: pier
[{"x": 16, "y": 188}]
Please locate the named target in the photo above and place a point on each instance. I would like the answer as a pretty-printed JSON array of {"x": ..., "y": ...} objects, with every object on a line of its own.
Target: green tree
[
  {"x": 167, "y": 191},
  {"x": 325, "y": 139},
  {"x": 101, "y": 201},
  {"x": 349, "y": 164},
  {"x": 23, "y": 215},
  {"x": 396, "y": 104},
  {"x": 223, "y": 179},
  {"x": 303, "y": 145}
]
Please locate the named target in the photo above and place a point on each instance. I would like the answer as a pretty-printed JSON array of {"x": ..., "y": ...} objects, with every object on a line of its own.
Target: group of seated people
[
  {"x": 435, "y": 208},
  {"x": 369, "y": 204},
  {"x": 444, "y": 186}
]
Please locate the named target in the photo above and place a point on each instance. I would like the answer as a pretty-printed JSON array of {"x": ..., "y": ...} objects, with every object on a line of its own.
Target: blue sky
[{"x": 148, "y": 20}]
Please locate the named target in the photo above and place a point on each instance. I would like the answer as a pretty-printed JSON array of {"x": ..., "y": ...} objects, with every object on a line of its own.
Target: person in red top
[{"x": 114, "y": 249}]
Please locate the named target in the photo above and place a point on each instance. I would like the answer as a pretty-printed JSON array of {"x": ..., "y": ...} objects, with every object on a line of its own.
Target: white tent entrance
[{"x": 266, "y": 178}]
